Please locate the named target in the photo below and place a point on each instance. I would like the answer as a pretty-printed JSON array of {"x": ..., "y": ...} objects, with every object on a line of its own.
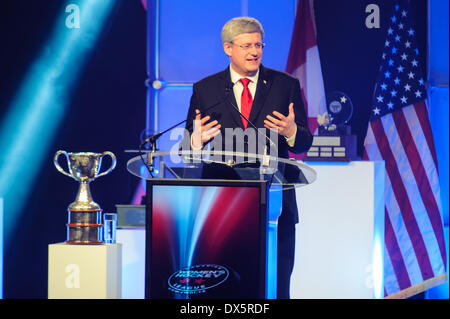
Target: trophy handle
[
  {"x": 55, "y": 161},
  {"x": 113, "y": 164}
]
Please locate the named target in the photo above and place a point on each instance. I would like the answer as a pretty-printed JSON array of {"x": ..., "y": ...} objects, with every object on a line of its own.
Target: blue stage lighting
[{"x": 38, "y": 107}]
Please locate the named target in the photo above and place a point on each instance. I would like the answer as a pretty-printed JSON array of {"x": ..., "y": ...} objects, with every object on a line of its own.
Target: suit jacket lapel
[
  {"x": 231, "y": 103},
  {"x": 262, "y": 89}
]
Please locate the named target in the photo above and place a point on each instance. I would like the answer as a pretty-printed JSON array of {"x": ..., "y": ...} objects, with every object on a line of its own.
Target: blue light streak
[{"x": 38, "y": 107}]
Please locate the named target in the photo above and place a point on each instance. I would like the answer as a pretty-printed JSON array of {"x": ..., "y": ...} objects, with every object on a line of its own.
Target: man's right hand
[{"x": 203, "y": 131}]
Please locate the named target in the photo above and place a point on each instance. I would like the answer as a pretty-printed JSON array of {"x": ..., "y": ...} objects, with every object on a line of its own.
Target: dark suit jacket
[{"x": 275, "y": 91}]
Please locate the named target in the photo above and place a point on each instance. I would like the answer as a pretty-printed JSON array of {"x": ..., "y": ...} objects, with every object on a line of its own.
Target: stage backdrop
[{"x": 348, "y": 36}]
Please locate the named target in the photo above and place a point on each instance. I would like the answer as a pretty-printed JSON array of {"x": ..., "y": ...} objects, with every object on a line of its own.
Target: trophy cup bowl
[{"x": 85, "y": 221}]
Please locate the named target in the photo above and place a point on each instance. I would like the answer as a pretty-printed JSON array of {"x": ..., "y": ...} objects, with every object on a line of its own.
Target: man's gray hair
[{"x": 237, "y": 26}]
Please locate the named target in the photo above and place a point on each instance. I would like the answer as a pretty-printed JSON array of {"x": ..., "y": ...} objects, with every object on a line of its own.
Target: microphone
[
  {"x": 154, "y": 137},
  {"x": 228, "y": 89}
]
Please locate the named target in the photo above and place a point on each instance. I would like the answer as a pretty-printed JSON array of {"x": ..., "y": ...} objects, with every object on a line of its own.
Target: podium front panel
[{"x": 205, "y": 239}]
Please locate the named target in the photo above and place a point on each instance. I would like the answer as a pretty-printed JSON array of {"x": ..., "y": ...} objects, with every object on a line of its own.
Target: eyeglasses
[{"x": 248, "y": 46}]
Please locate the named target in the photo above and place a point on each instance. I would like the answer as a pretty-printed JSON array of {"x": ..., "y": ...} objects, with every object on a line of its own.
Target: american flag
[{"x": 399, "y": 133}]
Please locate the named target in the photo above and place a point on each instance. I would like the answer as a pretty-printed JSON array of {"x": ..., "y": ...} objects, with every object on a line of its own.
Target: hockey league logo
[{"x": 197, "y": 279}]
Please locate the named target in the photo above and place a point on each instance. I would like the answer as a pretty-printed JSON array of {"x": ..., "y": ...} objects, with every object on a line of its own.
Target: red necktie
[{"x": 246, "y": 101}]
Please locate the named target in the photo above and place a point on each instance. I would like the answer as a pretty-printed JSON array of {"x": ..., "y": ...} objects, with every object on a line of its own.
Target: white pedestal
[
  {"x": 340, "y": 237},
  {"x": 84, "y": 271}
]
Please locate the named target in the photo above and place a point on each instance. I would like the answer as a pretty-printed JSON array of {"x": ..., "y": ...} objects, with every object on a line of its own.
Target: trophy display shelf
[
  {"x": 288, "y": 173},
  {"x": 338, "y": 145},
  {"x": 84, "y": 224}
]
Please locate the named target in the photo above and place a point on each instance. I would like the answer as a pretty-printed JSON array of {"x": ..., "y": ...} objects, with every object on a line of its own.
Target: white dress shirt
[{"x": 238, "y": 87}]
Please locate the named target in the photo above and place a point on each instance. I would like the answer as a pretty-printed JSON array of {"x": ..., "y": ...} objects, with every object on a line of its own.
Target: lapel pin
[{"x": 264, "y": 81}]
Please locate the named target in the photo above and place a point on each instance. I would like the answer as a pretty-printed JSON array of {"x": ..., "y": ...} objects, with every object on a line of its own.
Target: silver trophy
[{"x": 85, "y": 216}]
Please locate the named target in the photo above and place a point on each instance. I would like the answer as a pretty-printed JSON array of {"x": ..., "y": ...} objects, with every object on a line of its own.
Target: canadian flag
[{"x": 304, "y": 63}]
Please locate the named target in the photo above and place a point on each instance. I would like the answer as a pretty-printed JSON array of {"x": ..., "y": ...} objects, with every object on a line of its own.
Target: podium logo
[
  {"x": 197, "y": 279},
  {"x": 73, "y": 277}
]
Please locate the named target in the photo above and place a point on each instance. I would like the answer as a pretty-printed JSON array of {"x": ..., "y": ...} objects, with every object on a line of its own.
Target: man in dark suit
[{"x": 268, "y": 99}]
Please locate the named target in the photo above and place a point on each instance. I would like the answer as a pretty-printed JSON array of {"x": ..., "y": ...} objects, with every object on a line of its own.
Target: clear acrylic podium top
[{"x": 205, "y": 164}]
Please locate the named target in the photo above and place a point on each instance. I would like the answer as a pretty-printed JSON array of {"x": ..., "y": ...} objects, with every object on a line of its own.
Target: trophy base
[{"x": 85, "y": 228}]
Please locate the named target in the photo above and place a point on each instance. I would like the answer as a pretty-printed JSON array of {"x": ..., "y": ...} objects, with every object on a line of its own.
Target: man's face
[{"x": 244, "y": 61}]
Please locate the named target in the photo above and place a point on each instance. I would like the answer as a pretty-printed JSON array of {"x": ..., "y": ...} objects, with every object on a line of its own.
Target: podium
[{"x": 211, "y": 225}]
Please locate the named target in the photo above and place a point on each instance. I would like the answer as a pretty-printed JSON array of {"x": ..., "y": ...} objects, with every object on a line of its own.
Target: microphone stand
[{"x": 152, "y": 139}]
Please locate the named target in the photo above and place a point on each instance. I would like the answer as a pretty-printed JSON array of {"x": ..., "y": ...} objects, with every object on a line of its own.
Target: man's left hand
[{"x": 284, "y": 125}]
